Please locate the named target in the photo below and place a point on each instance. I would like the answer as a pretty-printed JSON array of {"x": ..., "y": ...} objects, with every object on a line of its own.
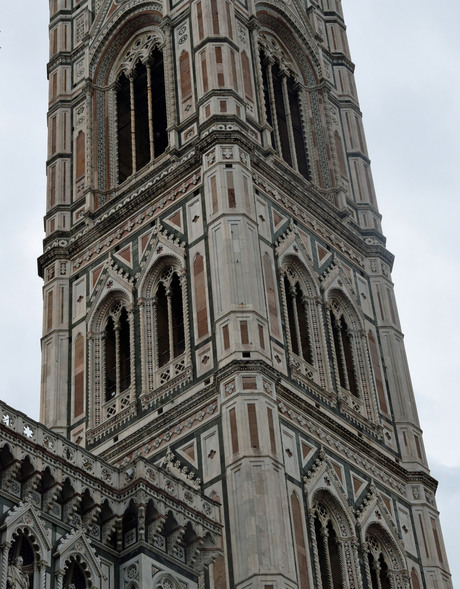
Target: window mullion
[
  {"x": 133, "y": 121},
  {"x": 341, "y": 360},
  {"x": 155, "y": 335},
  {"x": 303, "y": 119},
  {"x": 350, "y": 366},
  {"x": 306, "y": 306},
  {"x": 378, "y": 571},
  {"x": 292, "y": 294},
  {"x": 150, "y": 107},
  {"x": 117, "y": 357},
  {"x": 271, "y": 93},
  {"x": 170, "y": 324},
  {"x": 324, "y": 539},
  {"x": 287, "y": 110}
]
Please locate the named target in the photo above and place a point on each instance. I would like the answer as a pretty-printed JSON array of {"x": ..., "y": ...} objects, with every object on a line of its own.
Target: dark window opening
[
  {"x": 334, "y": 557},
  {"x": 384, "y": 577},
  {"x": 177, "y": 317},
  {"x": 117, "y": 355},
  {"x": 283, "y": 111},
  {"x": 21, "y": 555},
  {"x": 162, "y": 326},
  {"x": 268, "y": 105},
  {"x": 348, "y": 357},
  {"x": 344, "y": 354},
  {"x": 299, "y": 328},
  {"x": 281, "y": 115},
  {"x": 169, "y": 319},
  {"x": 379, "y": 572},
  {"x": 125, "y": 357},
  {"x": 303, "y": 326},
  {"x": 160, "y": 135},
  {"x": 142, "y": 98},
  {"x": 299, "y": 142},
  {"x": 321, "y": 553},
  {"x": 125, "y": 157},
  {"x": 141, "y": 109},
  {"x": 75, "y": 577},
  {"x": 328, "y": 555},
  {"x": 110, "y": 361}
]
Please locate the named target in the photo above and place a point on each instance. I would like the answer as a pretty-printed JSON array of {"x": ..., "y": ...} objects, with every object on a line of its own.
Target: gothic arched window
[
  {"x": 141, "y": 114},
  {"x": 298, "y": 321},
  {"x": 305, "y": 331},
  {"x": 117, "y": 352},
  {"x": 329, "y": 560},
  {"x": 111, "y": 361},
  {"x": 75, "y": 577},
  {"x": 284, "y": 113},
  {"x": 169, "y": 318},
  {"x": 21, "y": 562},
  {"x": 343, "y": 351},
  {"x": 164, "y": 328},
  {"x": 351, "y": 357},
  {"x": 378, "y": 566}
]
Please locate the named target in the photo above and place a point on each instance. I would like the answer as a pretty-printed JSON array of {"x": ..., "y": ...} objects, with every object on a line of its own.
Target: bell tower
[{"x": 217, "y": 290}]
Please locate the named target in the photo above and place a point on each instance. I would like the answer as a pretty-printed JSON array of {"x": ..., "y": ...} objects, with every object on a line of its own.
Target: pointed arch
[
  {"x": 76, "y": 562},
  {"x": 140, "y": 101},
  {"x": 22, "y": 560},
  {"x": 164, "y": 326},
  {"x": 130, "y": 103},
  {"x": 165, "y": 580},
  {"x": 24, "y": 521},
  {"x": 333, "y": 535},
  {"x": 350, "y": 356},
  {"x": 304, "y": 333},
  {"x": 111, "y": 355},
  {"x": 289, "y": 75},
  {"x": 28, "y": 541},
  {"x": 283, "y": 109},
  {"x": 75, "y": 576},
  {"x": 384, "y": 561}
]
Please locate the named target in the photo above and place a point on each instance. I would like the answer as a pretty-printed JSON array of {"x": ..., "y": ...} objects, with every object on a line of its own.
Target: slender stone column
[
  {"x": 150, "y": 108},
  {"x": 287, "y": 110},
  {"x": 59, "y": 578},
  {"x": 5, "y": 551},
  {"x": 133, "y": 121},
  {"x": 42, "y": 574},
  {"x": 271, "y": 93},
  {"x": 292, "y": 294},
  {"x": 327, "y": 559},
  {"x": 170, "y": 325},
  {"x": 117, "y": 356}
]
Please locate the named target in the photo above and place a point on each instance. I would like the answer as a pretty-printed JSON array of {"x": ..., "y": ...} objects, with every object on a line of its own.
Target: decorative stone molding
[
  {"x": 26, "y": 517},
  {"x": 348, "y": 452}
]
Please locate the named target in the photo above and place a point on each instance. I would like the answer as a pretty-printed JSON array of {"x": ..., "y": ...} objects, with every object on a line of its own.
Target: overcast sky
[{"x": 406, "y": 55}]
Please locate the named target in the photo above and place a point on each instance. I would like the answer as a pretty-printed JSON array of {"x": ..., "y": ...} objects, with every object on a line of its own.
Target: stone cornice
[{"x": 117, "y": 483}]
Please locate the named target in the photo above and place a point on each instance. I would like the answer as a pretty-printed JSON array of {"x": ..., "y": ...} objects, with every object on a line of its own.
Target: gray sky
[{"x": 406, "y": 55}]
